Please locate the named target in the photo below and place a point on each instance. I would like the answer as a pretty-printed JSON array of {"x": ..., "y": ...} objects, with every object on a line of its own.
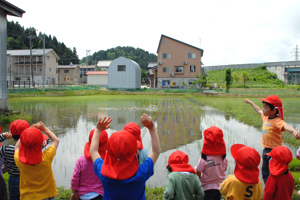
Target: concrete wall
[
  {"x": 177, "y": 81},
  {"x": 99, "y": 79}
]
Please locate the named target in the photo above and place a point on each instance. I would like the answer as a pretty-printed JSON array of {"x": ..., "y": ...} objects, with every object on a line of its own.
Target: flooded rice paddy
[{"x": 179, "y": 122}]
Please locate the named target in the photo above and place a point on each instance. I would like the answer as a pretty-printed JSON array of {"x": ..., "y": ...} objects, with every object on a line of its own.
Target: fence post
[
  {"x": 14, "y": 84},
  {"x": 24, "y": 84},
  {"x": 19, "y": 84}
]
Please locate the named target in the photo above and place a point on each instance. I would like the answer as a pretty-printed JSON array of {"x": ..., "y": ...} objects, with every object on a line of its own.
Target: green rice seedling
[{"x": 175, "y": 125}]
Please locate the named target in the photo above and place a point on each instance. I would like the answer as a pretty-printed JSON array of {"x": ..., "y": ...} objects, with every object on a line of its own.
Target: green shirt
[{"x": 183, "y": 186}]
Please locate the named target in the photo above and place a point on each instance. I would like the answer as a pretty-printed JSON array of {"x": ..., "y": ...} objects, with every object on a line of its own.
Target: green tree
[
  {"x": 183, "y": 83},
  {"x": 144, "y": 74},
  {"x": 244, "y": 77},
  {"x": 235, "y": 77},
  {"x": 228, "y": 78},
  {"x": 201, "y": 81}
]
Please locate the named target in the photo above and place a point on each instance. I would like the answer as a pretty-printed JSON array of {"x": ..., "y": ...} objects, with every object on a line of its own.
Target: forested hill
[
  {"x": 140, "y": 56},
  {"x": 18, "y": 38}
]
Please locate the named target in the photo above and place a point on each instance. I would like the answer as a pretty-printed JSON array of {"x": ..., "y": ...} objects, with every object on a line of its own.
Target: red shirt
[{"x": 279, "y": 187}]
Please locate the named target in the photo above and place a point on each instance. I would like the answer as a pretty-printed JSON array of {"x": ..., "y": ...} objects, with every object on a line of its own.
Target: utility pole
[
  {"x": 86, "y": 63},
  {"x": 296, "y": 53},
  {"x": 44, "y": 63},
  {"x": 200, "y": 42},
  {"x": 31, "y": 68}
]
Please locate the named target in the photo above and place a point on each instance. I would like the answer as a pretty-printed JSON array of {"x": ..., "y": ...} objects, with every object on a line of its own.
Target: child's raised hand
[
  {"x": 40, "y": 126},
  {"x": 247, "y": 101},
  {"x": 296, "y": 134},
  {"x": 7, "y": 135},
  {"x": 103, "y": 124},
  {"x": 147, "y": 121}
]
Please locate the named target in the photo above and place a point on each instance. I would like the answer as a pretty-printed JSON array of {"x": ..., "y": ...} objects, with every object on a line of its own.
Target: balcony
[
  {"x": 26, "y": 73},
  {"x": 27, "y": 62}
]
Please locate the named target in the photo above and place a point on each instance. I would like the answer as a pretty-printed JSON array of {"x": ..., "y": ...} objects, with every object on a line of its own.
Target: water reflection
[{"x": 179, "y": 123}]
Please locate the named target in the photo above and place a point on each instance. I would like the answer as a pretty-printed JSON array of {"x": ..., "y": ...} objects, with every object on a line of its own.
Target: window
[
  {"x": 179, "y": 69},
  {"x": 164, "y": 42},
  {"x": 166, "y": 56},
  {"x": 192, "y": 68},
  {"x": 66, "y": 71},
  {"x": 191, "y": 55},
  {"x": 166, "y": 69},
  {"x": 165, "y": 83},
  {"x": 18, "y": 78},
  {"x": 34, "y": 69},
  {"x": 49, "y": 69},
  {"x": 121, "y": 68}
]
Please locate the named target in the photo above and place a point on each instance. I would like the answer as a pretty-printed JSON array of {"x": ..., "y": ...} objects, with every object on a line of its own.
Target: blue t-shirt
[{"x": 131, "y": 188}]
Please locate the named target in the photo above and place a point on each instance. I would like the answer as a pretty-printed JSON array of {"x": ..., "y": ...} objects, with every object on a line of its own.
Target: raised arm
[
  {"x": 102, "y": 125},
  {"x": 292, "y": 130},
  {"x": 255, "y": 107},
  {"x": 17, "y": 145},
  {"x": 147, "y": 122},
  {"x": 52, "y": 136}
]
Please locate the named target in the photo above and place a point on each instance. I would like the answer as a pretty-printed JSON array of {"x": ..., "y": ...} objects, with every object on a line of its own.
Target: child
[
  {"x": 212, "y": 163},
  {"x": 7, "y": 152},
  {"x": 273, "y": 125},
  {"x": 245, "y": 183},
  {"x": 121, "y": 175},
  {"x": 3, "y": 189},
  {"x": 280, "y": 184},
  {"x": 183, "y": 183},
  {"x": 135, "y": 130},
  {"x": 36, "y": 176},
  {"x": 84, "y": 183}
]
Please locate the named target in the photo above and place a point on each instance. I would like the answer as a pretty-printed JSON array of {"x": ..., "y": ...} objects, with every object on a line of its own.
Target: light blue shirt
[{"x": 143, "y": 155}]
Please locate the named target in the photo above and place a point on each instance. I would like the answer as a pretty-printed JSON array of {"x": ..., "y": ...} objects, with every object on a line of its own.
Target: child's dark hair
[
  {"x": 16, "y": 137},
  {"x": 169, "y": 169},
  {"x": 204, "y": 157},
  {"x": 271, "y": 106}
]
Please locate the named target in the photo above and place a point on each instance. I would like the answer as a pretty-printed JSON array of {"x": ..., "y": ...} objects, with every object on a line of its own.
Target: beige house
[
  {"x": 178, "y": 62},
  {"x": 69, "y": 74},
  {"x": 19, "y": 66},
  {"x": 104, "y": 64},
  {"x": 97, "y": 78}
]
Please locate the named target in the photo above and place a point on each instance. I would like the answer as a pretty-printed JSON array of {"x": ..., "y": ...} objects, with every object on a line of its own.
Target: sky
[{"x": 229, "y": 31}]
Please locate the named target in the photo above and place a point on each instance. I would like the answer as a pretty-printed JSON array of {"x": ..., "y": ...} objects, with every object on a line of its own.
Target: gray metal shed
[{"x": 124, "y": 73}]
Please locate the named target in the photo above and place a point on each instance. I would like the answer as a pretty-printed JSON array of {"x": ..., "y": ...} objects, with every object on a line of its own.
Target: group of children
[{"x": 117, "y": 167}]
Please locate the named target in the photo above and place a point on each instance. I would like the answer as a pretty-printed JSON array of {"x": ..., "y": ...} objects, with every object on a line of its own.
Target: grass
[{"x": 258, "y": 77}]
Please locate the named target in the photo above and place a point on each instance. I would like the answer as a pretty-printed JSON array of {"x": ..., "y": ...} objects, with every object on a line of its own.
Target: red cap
[
  {"x": 30, "y": 150},
  {"x": 213, "y": 143},
  {"x": 102, "y": 145},
  {"x": 281, "y": 157},
  {"x": 275, "y": 101},
  {"x": 178, "y": 161},
  {"x": 247, "y": 161},
  {"x": 120, "y": 162},
  {"x": 134, "y": 129},
  {"x": 18, "y": 126}
]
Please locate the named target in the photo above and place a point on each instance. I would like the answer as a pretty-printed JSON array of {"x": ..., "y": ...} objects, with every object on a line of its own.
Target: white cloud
[{"x": 231, "y": 31}]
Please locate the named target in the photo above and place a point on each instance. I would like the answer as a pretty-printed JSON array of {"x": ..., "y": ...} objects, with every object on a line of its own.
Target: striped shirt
[{"x": 7, "y": 152}]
